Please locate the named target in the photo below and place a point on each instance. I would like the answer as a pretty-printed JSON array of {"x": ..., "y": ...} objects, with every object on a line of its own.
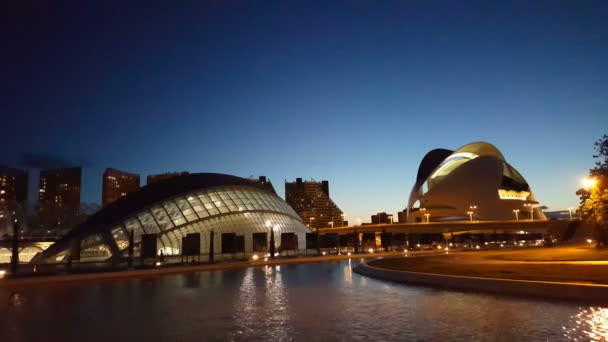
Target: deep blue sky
[{"x": 355, "y": 92}]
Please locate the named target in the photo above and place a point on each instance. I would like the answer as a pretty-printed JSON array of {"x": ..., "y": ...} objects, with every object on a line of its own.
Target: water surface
[{"x": 307, "y": 302}]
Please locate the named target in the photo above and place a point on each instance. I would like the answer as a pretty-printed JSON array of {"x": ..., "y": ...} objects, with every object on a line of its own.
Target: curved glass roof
[{"x": 239, "y": 206}]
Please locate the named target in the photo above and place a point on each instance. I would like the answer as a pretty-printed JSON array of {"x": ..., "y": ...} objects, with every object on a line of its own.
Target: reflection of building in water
[{"x": 348, "y": 272}]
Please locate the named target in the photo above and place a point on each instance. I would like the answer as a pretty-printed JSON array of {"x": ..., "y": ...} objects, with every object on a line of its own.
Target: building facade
[
  {"x": 13, "y": 196},
  {"x": 311, "y": 201},
  {"x": 59, "y": 197},
  {"x": 382, "y": 218},
  {"x": 117, "y": 184},
  {"x": 473, "y": 183},
  {"x": 238, "y": 215}
]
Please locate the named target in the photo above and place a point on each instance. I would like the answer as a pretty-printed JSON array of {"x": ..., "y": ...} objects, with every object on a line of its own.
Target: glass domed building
[
  {"x": 239, "y": 210},
  {"x": 474, "y": 182}
]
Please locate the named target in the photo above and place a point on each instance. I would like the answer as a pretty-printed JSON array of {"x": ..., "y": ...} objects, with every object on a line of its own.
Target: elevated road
[{"x": 499, "y": 227}]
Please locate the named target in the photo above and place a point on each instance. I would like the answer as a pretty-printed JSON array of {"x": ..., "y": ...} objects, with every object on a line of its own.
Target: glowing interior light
[
  {"x": 255, "y": 257},
  {"x": 158, "y": 263},
  {"x": 371, "y": 250},
  {"x": 348, "y": 253},
  {"x": 513, "y": 195}
]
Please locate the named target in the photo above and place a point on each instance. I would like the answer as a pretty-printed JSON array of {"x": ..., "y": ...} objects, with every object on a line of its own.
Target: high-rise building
[
  {"x": 13, "y": 185},
  {"x": 382, "y": 218},
  {"x": 311, "y": 201},
  {"x": 13, "y": 193},
  {"x": 59, "y": 197},
  {"x": 117, "y": 184},
  {"x": 151, "y": 179}
]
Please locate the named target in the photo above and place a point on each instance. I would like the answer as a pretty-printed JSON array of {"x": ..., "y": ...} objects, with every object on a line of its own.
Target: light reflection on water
[
  {"x": 589, "y": 324},
  {"x": 308, "y": 302}
]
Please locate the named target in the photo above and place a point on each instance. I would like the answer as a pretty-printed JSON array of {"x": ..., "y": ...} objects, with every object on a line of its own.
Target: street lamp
[
  {"x": 422, "y": 210},
  {"x": 331, "y": 223},
  {"x": 310, "y": 219},
  {"x": 470, "y": 213},
  {"x": 516, "y": 212},
  {"x": 427, "y": 217},
  {"x": 531, "y": 206},
  {"x": 570, "y": 212},
  {"x": 588, "y": 182},
  {"x": 391, "y": 216},
  {"x": 472, "y": 209}
]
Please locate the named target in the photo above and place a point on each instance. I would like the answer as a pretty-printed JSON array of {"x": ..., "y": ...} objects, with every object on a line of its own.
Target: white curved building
[
  {"x": 230, "y": 206},
  {"x": 474, "y": 182}
]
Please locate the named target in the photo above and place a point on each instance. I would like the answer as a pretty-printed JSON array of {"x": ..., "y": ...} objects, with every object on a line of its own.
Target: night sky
[{"x": 355, "y": 92}]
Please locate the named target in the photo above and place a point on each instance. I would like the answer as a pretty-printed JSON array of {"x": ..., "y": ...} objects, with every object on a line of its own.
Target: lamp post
[
  {"x": 427, "y": 217},
  {"x": 16, "y": 211},
  {"x": 342, "y": 220},
  {"x": 310, "y": 219},
  {"x": 472, "y": 209},
  {"x": 331, "y": 223},
  {"x": 531, "y": 206},
  {"x": 516, "y": 212},
  {"x": 588, "y": 182},
  {"x": 391, "y": 216},
  {"x": 423, "y": 211},
  {"x": 470, "y": 213},
  {"x": 570, "y": 212}
]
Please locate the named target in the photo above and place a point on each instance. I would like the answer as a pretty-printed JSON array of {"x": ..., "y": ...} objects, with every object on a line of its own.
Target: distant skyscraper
[
  {"x": 117, "y": 184},
  {"x": 151, "y": 179},
  {"x": 13, "y": 192},
  {"x": 59, "y": 197},
  {"x": 311, "y": 201}
]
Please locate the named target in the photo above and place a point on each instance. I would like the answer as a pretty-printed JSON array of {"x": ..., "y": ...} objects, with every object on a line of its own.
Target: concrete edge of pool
[
  {"x": 580, "y": 292},
  {"x": 169, "y": 270}
]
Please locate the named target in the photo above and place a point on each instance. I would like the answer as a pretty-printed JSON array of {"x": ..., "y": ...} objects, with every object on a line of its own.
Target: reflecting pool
[{"x": 306, "y": 302}]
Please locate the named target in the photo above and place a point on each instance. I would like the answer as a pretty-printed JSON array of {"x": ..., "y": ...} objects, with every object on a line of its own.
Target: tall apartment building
[
  {"x": 117, "y": 184},
  {"x": 13, "y": 185},
  {"x": 151, "y": 179},
  {"x": 59, "y": 197},
  {"x": 311, "y": 201},
  {"x": 13, "y": 193}
]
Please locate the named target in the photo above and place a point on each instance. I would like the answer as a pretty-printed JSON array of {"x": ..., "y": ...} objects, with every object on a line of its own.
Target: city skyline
[{"x": 355, "y": 95}]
